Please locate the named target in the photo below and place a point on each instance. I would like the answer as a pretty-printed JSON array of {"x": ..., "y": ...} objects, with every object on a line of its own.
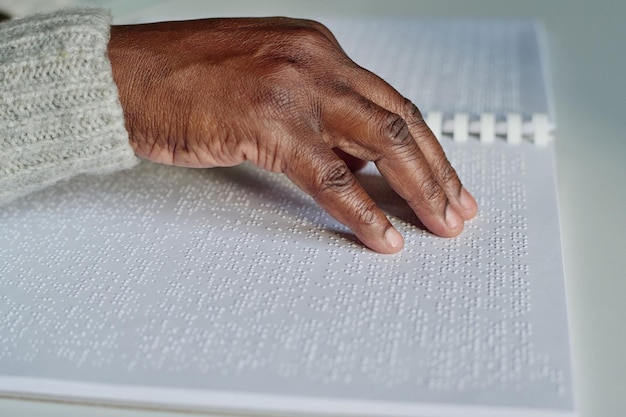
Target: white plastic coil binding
[
  {"x": 541, "y": 129},
  {"x": 514, "y": 128},
  {"x": 461, "y": 127},
  {"x": 434, "y": 120},
  {"x": 487, "y": 127}
]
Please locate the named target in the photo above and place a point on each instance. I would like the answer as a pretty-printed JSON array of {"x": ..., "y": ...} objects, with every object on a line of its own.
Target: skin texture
[{"x": 282, "y": 94}]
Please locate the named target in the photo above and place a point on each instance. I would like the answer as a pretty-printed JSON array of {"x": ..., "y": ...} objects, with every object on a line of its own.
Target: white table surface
[{"x": 588, "y": 61}]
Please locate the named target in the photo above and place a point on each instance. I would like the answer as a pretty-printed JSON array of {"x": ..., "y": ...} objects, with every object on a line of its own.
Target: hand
[{"x": 282, "y": 94}]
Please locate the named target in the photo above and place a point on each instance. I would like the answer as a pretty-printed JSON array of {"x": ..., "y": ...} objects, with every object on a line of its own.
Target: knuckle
[
  {"x": 396, "y": 130},
  {"x": 432, "y": 191},
  {"x": 309, "y": 40},
  {"x": 397, "y": 137},
  {"x": 366, "y": 212},
  {"x": 414, "y": 118},
  {"x": 314, "y": 24},
  {"x": 413, "y": 113},
  {"x": 445, "y": 172},
  {"x": 335, "y": 177},
  {"x": 324, "y": 30}
]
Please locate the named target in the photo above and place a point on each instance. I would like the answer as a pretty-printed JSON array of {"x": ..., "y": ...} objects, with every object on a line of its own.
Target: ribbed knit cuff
[{"x": 59, "y": 109}]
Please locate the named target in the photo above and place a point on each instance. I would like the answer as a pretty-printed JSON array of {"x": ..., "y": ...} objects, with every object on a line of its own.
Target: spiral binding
[{"x": 488, "y": 127}]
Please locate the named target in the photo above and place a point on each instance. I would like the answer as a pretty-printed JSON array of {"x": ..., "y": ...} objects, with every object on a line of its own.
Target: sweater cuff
[{"x": 59, "y": 109}]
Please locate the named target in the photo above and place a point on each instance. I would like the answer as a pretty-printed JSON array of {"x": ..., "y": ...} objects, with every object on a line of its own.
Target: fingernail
[
  {"x": 453, "y": 219},
  {"x": 394, "y": 239},
  {"x": 466, "y": 200}
]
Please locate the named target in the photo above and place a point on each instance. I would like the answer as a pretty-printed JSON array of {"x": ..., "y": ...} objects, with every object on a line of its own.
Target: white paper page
[{"x": 232, "y": 280}]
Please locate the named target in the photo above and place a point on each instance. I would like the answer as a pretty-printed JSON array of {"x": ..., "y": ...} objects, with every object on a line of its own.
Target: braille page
[{"x": 229, "y": 289}]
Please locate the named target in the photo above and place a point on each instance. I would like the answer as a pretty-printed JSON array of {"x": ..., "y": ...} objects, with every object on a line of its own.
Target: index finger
[{"x": 318, "y": 171}]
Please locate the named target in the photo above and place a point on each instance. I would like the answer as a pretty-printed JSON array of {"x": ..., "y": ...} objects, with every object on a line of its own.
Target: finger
[
  {"x": 377, "y": 90},
  {"x": 371, "y": 132},
  {"x": 323, "y": 175},
  {"x": 462, "y": 201}
]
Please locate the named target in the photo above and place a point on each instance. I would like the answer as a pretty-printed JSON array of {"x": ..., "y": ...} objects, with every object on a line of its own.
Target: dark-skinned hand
[{"x": 282, "y": 94}]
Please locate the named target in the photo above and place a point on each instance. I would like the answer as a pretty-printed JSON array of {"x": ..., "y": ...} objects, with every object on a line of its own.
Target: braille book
[{"x": 229, "y": 290}]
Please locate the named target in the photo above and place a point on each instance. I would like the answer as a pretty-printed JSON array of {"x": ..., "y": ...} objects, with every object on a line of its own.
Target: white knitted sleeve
[{"x": 59, "y": 110}]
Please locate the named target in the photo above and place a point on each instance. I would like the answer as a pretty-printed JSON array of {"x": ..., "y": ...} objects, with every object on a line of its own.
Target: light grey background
[{"x": 588, "y": 62}]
